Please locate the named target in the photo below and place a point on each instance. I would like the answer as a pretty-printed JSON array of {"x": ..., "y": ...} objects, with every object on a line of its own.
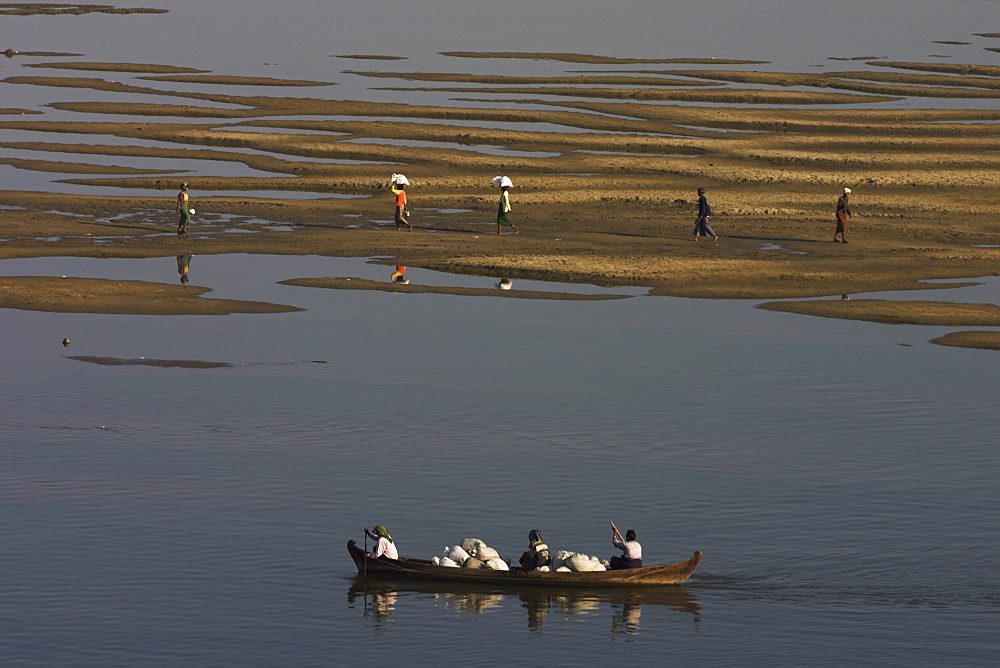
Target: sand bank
[
  {"x": 94, "y": 295},
  {"x": 605, "y": 178}
]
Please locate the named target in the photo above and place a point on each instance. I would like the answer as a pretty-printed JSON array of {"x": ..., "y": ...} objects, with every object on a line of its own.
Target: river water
[{"x": 839, "y": 477}]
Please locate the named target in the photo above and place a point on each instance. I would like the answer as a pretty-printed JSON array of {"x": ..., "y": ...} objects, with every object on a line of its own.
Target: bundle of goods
[
  {"x": 566, "y": 561},
  {"x": 471, "y": 553}
]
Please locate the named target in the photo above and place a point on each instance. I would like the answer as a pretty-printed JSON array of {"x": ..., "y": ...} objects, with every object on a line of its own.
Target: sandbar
[
  {"x": 605, "y": 177},
  {"x": 347, "y": 283}
]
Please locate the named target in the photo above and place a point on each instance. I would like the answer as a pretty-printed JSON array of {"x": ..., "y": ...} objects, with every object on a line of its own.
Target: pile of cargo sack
[
  {"x": 471, "y": 553},
  {"x": 474, "y": 553}
]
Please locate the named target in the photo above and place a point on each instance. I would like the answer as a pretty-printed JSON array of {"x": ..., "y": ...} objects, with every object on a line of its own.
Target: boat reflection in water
[{"x": 380, "y": 597}]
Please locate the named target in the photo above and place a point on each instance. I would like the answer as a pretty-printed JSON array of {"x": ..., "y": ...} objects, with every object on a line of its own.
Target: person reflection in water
[
  {"x": 383, "y": 603},
  {"x": 183, "y": 266},
  {"x": 399, "y": 276},
  {"x": 626, "y": 620}
]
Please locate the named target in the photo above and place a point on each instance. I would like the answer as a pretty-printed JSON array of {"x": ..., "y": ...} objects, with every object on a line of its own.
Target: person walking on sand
[
  {"x": 184, "y": 209},
  {"x": 503, "y": 209},
  {"x": 701, "y": 226},
  {"x": 843, "y": 216},
  {"x": 399, "y": 183}
]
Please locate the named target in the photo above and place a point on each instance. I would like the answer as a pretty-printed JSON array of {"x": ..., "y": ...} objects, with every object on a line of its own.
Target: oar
[{"x": 617, "y": 533}]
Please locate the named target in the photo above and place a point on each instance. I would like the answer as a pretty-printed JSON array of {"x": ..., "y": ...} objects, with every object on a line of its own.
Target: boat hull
[{"x": 419, "y": 569}]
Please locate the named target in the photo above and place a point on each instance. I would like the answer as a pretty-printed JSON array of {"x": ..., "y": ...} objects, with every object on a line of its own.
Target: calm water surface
[{"x": 839, "y": 477}]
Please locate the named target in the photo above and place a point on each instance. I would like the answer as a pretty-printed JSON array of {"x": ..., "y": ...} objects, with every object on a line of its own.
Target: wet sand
[
  {"x": 609, "y": 201},
  {"x": 94, "y": 295},
  {"x": 510, "y": 293}
]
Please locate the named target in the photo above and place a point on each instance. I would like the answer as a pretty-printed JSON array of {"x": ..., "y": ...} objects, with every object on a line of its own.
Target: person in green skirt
[
  {"x": 503, "y": 210},
  {"x": 183, "y": 209}
]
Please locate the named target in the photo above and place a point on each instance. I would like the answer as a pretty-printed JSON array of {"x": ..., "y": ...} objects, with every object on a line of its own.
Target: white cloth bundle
[
  {"x": 503, "y": 181},
  {"x": 560, "y": 558},
  {"x": 400, "y": 180},
  {"x": 455, "y": 553},
  {"x": 444, "y": 561},
  {"x": 581, "y": 563},
  {"x": 470, "y": 544},
  {"x": 478, "y": 548},
  {"x": 497, "y": 564},
  {"x": 485, "y": 552}
]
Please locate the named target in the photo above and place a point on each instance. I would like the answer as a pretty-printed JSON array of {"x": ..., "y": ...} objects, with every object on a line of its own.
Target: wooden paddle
[
  {"x": 366, "y": 563},
  {"x": 617, "y": 533}
]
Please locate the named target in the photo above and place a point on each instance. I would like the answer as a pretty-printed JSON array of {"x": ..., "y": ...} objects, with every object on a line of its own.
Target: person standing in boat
[
  {"x": 537, "y": 554},
  {"x": 631, "y": 550},
  {"x": 384, "y": 547}
]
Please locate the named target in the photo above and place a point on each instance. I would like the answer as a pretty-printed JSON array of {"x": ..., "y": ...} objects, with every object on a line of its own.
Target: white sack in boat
[
  {"x": 581, "y": 563},
  {"x": 560, "y": 558},
  {"x": 486, "y": 553},
  {"x": 470, "y": 544},
  {"x": 455, "y": 553},
  {"x": 497, "y": 564}
]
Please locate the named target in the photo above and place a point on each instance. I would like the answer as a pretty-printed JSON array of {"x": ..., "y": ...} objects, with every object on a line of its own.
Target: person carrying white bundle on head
[
  {"x": 503, "y": 209},
  {"x": 398, "y": 186}
]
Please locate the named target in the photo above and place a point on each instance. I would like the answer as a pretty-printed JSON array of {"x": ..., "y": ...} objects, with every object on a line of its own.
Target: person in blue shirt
[{"x": 701, "y": 226}]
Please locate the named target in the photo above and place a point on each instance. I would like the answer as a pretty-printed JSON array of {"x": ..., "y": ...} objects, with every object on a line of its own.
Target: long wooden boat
[{"x": 422, "y": 569}]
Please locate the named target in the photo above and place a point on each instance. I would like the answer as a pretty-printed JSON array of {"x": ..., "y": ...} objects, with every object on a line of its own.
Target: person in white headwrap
[
  {"x": 399, "y": 183},
  {"x": 503, "y": 210},
  {"x": 843, "y": 216}
]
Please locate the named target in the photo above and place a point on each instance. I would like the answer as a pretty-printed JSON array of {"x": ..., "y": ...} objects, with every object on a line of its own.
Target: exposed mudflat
[
  {"x": 604, "y": 194},
  {"x": 94, "y": 295}
]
